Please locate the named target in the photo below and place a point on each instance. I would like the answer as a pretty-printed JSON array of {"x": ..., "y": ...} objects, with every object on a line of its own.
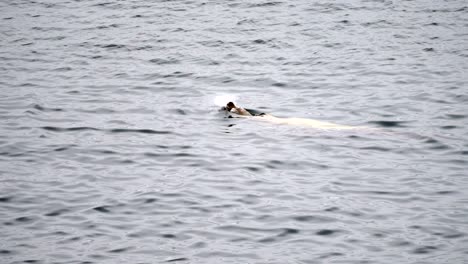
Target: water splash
[{"x": 222, "y": 100}]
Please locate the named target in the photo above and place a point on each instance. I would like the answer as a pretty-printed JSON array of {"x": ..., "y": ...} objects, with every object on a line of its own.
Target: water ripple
[
  {"x": 115, "y": 130},
  {"x": 112, "y": 151}
]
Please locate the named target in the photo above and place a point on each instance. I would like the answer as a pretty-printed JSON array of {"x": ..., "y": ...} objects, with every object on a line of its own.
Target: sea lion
[{"x": 241, "y": 112}]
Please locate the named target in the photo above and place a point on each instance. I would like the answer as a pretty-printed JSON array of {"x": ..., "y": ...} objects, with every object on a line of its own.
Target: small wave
[
  {"x": 62, "y": 129},
  {"x": 46, "y": 109},
  {"x": 177, "y": 259},
  {"x": 112, "y": 46},
  {"x": 160, "y": 61},
  {"x": 388, "y": 123},
  {"x": 266, "y": 4},
  {"x": 144, "y": 131},
  {"x": 114, "y": 130},
  {"x": 326, "y": 232}
]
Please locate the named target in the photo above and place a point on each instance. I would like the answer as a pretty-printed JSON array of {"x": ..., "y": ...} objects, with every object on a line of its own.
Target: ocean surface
[{"x": 112, "y": 148}]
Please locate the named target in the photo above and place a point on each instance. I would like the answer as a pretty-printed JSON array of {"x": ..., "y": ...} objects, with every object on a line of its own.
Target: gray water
[{"x": 112, "y": 150}]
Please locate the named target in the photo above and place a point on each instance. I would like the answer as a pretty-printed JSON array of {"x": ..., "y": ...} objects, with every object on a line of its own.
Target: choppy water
[{"x": 112, "y": 150}]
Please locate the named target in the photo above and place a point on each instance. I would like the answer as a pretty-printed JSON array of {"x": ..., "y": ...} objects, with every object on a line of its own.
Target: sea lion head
[{"x": 230, "y": 106}]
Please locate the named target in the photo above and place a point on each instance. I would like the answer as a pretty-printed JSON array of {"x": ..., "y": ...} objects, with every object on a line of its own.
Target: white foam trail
[{"x": 222, "y": 100}]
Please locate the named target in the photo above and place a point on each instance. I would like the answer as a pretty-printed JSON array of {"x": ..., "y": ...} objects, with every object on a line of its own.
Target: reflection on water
[{"x": 112, "y": 148}]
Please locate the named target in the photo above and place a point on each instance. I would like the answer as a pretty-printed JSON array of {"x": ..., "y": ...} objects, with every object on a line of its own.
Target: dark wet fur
[{"x": 230, "y": 106}]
